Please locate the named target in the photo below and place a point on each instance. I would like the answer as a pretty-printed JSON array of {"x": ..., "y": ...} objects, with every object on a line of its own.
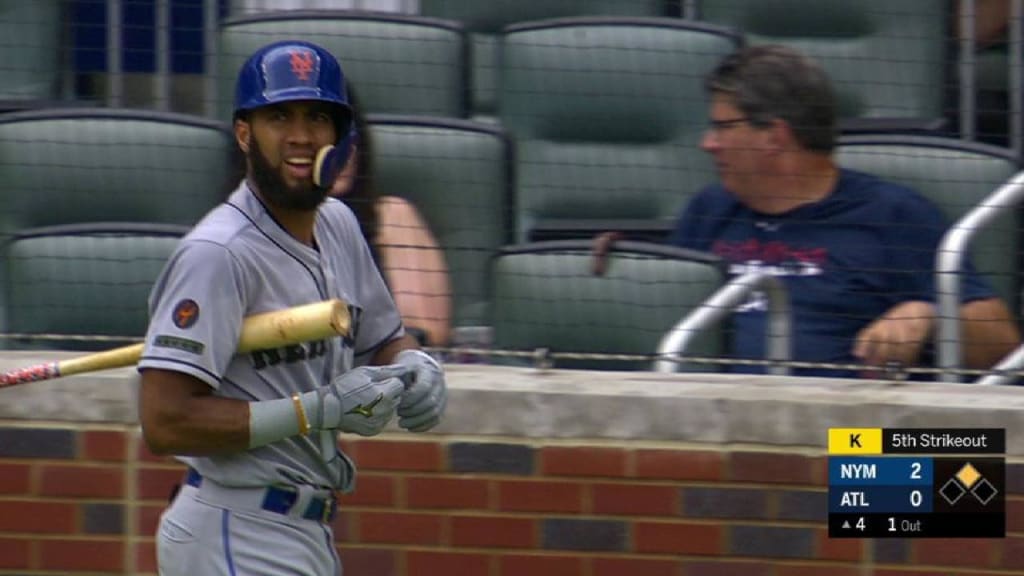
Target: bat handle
[{"x": 35, "y": 373}]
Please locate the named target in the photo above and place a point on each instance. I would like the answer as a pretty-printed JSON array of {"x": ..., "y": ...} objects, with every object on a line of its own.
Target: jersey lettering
[
  {"x": 288, "y": 354},
  {"x": 294, "y": 353},
  {"x": 355, "y": 315}
]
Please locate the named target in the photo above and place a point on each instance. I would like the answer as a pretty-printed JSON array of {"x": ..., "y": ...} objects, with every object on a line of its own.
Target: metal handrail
[
  {"x": 720, "y": 305},
  {"x": 949, "y": 263}
]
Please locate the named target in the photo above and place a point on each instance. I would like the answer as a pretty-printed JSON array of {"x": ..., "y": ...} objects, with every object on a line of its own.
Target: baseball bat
[{"x": 267, "y": 330}]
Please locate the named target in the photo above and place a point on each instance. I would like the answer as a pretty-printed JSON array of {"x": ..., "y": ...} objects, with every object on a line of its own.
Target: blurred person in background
[
  {"x": 856, "y": 253},
  {"x": 403, "y": 246}
]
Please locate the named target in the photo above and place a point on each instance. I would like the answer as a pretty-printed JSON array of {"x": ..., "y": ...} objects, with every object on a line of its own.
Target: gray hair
[{"x": 773, "y": 81}]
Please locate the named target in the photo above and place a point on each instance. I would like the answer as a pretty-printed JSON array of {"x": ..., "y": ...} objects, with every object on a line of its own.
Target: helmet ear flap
[{"x": 330, "y": 160}]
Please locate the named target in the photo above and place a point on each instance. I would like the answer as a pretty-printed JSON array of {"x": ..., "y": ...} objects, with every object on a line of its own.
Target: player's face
[
  {"x": 283, "y": 142},
  {"x": 737, "y": 146}
]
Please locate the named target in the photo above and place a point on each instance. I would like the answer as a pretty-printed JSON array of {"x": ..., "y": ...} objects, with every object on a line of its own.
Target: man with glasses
[{"x": 856, "y": 253}]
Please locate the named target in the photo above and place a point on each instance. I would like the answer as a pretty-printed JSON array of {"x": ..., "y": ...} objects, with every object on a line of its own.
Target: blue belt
[{"x": 282, "y": 499}]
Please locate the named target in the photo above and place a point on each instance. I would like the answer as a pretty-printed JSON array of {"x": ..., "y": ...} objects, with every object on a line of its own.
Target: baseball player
[{"x": 258, "y": 431}]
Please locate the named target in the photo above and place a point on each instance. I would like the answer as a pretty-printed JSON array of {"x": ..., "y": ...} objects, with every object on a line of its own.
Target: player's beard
[{"x": 268, "y": 180}]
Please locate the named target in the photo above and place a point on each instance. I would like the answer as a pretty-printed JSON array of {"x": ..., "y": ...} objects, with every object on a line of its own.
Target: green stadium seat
[
  {"x": 78, "y": 165},
  {"x": 458, "y": 175},
  {"x": 399, "y": 64},
  {"x": 31, "y": 44},
  {"x": 886, "y": 57},
  {"x": 957, "y": 176},
  {"x": 606, "y": 115},
  {"x": 545, "y": 297},
  {"x": 90, "y": 280},
  {"x": 485, "y": 21}
]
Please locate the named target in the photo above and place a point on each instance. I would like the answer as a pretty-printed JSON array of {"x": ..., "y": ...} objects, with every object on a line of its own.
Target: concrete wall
[{"x": 539, "y": 473}]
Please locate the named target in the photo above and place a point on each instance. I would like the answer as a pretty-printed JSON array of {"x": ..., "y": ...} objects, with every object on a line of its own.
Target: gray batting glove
[
  {"x": 426, "y": 398},
  {"x": 361, "y": 401}
]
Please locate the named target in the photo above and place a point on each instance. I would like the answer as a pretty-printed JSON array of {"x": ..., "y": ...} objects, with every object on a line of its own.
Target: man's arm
[
  {"x": 987, "y": 334},
  {"x": 180, "y": 415},
  {"x": 898, "y": 336}
]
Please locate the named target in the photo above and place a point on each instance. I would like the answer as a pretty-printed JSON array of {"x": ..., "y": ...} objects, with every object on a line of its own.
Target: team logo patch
[{"x": 185, "y": 313}]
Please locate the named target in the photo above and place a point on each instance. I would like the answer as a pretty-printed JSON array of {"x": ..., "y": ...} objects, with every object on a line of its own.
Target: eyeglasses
[{"x": 723, "y": 125}]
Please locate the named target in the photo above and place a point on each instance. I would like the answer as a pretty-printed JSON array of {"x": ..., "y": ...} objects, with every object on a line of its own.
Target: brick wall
[{"x": 85, "y": 500}]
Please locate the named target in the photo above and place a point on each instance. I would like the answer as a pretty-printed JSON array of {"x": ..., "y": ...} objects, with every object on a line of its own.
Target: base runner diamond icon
[
  {"x": 951, "y": 491},
  {"x": 968, "y": 475}
]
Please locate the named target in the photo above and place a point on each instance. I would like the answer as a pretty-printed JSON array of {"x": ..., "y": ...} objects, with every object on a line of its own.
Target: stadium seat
[
  {"x": 458, "y": 175},
  {"x": 545, "y": 297},
  {"x": 399, "y": 64},
  {"x": 485, "y": 21},
  {"x": 79, "y": 165},
  {"x": 31, "y": 44},
  {"x": 91, "y": 279},
  {"x": 886, "y": 57},
  {"x": 956, "y": 175},
  {"x": 606, "y": 115}
]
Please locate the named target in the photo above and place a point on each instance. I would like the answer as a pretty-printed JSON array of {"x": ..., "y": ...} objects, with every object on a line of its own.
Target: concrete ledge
[{"x": 562, "y": 404}]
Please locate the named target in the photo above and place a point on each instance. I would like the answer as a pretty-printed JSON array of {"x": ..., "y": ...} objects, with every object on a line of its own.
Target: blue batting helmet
[{"x": 297, "y": 70}]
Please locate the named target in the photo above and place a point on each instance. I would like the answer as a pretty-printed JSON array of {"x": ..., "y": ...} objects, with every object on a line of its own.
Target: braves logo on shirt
[
  {"x": 776, "y": 258},
  {"x": 185, "y": 314}
]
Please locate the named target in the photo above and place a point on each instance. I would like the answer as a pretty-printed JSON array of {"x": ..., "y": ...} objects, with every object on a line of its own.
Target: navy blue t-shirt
[{"x": 845, "y": 261}]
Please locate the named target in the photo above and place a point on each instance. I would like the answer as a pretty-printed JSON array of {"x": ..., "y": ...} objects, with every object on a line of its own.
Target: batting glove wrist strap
[{"x": 272, "y": 420}]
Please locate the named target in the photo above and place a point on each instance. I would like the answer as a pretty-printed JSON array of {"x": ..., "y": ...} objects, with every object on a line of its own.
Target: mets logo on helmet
[{"x": 302, "y": 62}]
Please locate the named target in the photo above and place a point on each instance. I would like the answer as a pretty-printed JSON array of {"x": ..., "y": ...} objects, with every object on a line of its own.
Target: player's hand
[
  {"x": 362, "y": 400},
  {"x": 898, "y": 336},
  {"x": 426, "y": 397}
]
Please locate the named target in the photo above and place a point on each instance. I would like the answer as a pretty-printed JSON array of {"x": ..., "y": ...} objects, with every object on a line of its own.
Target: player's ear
[{"x": 242, "y": 134}]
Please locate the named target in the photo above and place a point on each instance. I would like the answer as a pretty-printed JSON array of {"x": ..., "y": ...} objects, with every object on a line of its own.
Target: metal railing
[
  {"x": 720, "y": 305},
  {"x": 949, "y": 264}
]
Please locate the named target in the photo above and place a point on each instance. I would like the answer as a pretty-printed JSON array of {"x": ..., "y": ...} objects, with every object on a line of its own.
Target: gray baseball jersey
[{"x": 239, "y": 261}]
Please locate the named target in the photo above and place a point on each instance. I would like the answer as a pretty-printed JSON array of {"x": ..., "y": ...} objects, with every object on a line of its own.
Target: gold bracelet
[{"x": 300, "y": 409}]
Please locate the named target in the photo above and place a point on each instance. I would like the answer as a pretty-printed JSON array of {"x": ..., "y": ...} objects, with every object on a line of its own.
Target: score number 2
[{"x": 915, "y": 470}]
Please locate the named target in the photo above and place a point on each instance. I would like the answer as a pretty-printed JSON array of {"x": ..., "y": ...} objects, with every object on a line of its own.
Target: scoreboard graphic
[{"x": 916, "y": 483}]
